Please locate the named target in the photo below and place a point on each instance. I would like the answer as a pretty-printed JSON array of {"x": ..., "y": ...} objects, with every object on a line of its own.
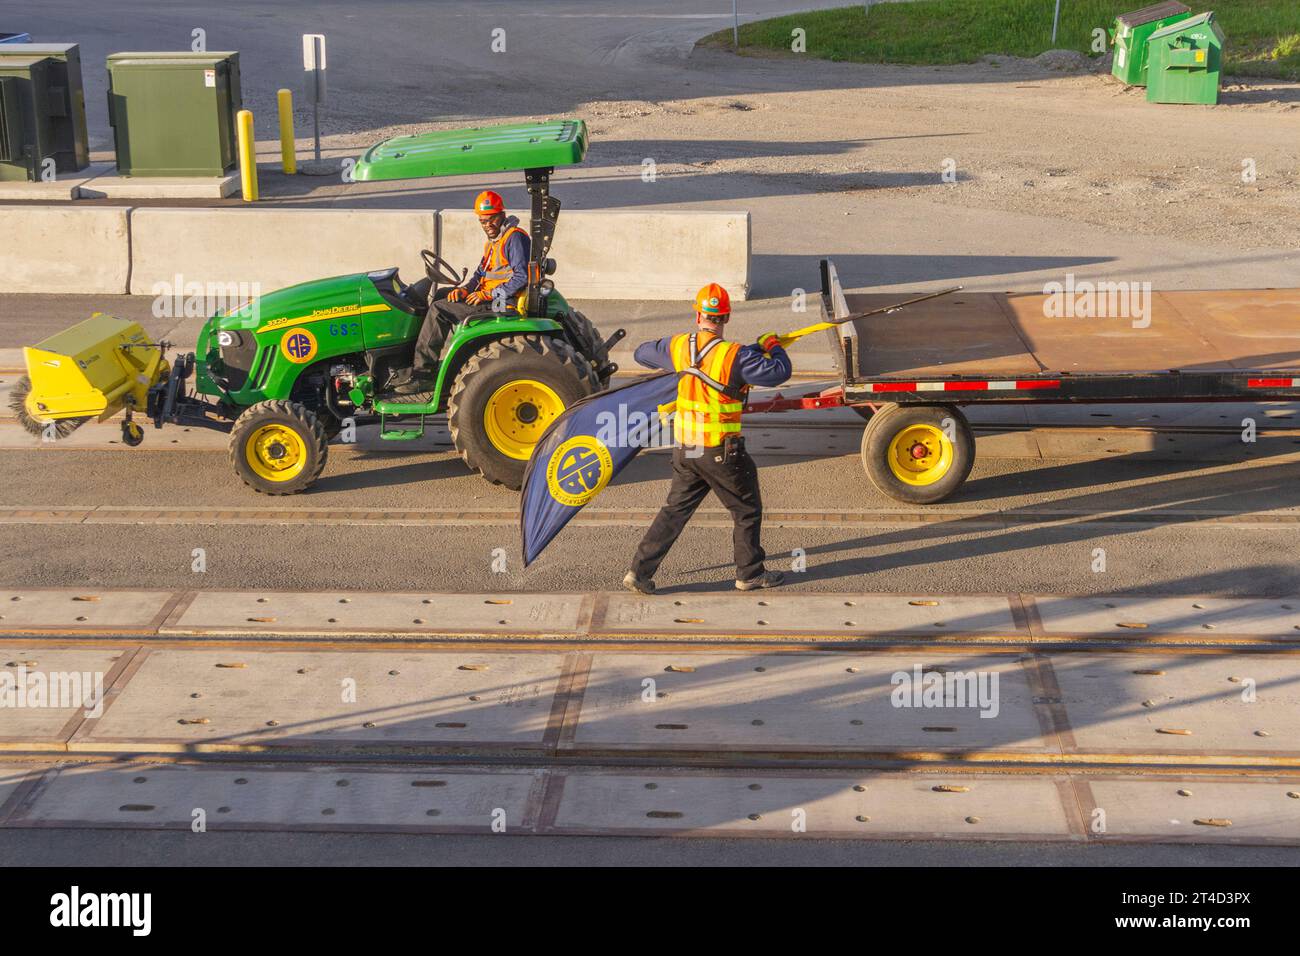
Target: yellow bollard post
[
  {"x": 288, "y": 161},
  {"x": 247, "y": 155}
]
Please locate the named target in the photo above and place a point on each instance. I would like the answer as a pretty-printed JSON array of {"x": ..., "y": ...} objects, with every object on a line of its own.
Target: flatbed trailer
[{"x": 909, "y": 372}]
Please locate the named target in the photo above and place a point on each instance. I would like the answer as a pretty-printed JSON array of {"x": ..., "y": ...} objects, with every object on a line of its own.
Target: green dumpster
[
  {"x": 173, "y": 114},
  {"x": 1132, "y": 30},
  {"x": 1186, "y": 61}
]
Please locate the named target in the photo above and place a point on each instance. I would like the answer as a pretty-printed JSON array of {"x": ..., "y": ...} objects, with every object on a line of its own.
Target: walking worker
[{"x": 709, "y": 453}]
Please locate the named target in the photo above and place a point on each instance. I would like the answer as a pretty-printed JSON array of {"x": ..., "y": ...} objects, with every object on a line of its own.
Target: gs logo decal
[
  {"x": 578, "y": 470},
  {"x": 298, "y": 346}
]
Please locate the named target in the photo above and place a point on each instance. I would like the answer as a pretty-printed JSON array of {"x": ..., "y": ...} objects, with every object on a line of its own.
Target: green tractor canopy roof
[{"x": 486, "y": 149}]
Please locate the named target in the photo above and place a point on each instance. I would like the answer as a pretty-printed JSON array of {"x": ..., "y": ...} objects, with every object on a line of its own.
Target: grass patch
[{"x": 1263, "y": 36}]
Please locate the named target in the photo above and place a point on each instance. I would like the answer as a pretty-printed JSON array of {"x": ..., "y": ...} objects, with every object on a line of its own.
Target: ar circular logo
[
  {"x": 299, "y": 346},
  {"x": 578, "y": 470}
]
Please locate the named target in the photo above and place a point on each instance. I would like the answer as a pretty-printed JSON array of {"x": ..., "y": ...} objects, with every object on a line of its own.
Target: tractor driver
[{"x": 501, "y": 275}]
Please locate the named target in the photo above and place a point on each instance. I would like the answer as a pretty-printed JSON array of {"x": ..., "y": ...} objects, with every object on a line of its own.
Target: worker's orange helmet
[
  {"x": 713, "y": 302},
  {"x": 488, "y": 203}
]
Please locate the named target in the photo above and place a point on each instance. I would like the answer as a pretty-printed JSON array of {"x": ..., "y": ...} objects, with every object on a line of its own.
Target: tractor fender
[{"x": 468, "y": 339}]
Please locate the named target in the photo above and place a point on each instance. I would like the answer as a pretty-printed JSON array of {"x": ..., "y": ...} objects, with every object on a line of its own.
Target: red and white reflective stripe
[
  {"x": 964, "y": 386},
  {"x": 1273, "y": 383}
]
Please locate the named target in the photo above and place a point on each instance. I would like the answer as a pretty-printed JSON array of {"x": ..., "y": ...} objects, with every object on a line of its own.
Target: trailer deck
[
  {"x": 1188, "y": 345},
  {"x": 910, "y": 369}
]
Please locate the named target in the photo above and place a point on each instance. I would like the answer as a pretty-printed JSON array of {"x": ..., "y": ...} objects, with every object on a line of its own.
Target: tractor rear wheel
[
  {"x": 593, "y": 346},
  {"x": 30, "y": 417},
  {"x": 504, "y": 399},
  {"x": 278, "y": 448}
]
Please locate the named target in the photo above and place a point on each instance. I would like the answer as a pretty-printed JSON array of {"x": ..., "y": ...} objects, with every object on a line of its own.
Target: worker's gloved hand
[
  {"x": 477, "y": 297},
  {"x": 768, "y": 341},
  {"x": 456, "y": 294}
]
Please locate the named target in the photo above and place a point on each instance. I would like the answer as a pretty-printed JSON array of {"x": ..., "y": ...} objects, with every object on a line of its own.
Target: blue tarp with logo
[{"x": 585, "y": 448}]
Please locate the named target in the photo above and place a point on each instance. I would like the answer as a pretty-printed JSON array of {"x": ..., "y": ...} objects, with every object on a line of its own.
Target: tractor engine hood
[
  {"x": 229, "y": 341},
  {"x": 307, "y": 300}
]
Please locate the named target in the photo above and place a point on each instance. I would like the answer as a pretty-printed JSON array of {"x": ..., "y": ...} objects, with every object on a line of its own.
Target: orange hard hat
[
  {"x": 488, "y": 203},
  {"x": 713, "y": 302}
]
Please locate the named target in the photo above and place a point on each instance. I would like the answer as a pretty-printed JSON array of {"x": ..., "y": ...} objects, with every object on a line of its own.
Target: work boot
[
  {"x": 639, "y": 585},
  {"x": 413, "y": 384},
  {"x": 768, "y": 579}
]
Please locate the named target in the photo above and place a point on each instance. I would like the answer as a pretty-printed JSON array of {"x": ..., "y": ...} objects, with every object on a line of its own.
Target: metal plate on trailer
[
  {"x": 361, "y": 613},
  {"x": 1181, "y": 704},
  {"x": 765, "y": 804},
  {"x": 1252, "y": 329},
  {"x": 1131, "y": 617},
  {"x": 967, "y": 333},
  {"x": 1197, "y": 810},
  {"x": 1122, "y": 341},
  {"x": 848, "y": 614},
  {"x": 808, "y": 702},
  {"x": 152, "y": 796},
  {"x": 45, "y": 692},
  {"x": 181, "y": 699}
]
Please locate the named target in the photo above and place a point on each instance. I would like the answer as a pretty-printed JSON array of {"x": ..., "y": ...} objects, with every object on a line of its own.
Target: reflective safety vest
[
  {"x": 708, "y": 405},
  {"x": 496, "y": 267}
]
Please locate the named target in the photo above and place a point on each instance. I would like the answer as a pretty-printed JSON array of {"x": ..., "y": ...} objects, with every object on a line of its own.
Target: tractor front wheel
[
  {"x": 505, "y": 398},
  {"x": 278, "y": 448},
  {"x": 919, "y": 454}
]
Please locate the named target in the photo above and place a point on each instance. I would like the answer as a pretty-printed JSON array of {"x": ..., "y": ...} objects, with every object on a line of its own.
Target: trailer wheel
[
  {"x": 278, "y": 448},
  {"x": 919, "y": 454}
]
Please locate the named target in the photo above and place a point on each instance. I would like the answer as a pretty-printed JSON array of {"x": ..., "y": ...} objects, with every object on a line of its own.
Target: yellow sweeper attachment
[{"x": 92, "y": 370}]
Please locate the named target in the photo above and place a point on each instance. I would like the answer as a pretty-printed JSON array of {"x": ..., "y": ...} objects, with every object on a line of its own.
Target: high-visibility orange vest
[
  {"x": 496, "y": 267},
  {"x": 708, "y": 406}
]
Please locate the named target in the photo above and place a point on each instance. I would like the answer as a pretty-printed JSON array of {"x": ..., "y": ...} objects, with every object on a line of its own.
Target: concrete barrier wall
[
  {"x": 601, "y": 255},
  {"x": 273, "y": 247},
  {"x": 57, "y": 249},
  {"x": 663, "y": 254}
]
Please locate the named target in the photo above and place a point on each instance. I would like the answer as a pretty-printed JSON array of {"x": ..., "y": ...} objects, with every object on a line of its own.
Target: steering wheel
[{"x": 439, "y": 270}]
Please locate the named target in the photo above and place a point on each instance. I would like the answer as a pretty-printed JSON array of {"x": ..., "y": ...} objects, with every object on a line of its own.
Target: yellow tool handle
[{"x": 789, "y": 337}]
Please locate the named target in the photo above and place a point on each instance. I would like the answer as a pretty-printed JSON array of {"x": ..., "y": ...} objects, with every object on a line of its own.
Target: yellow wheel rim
[
  {"x": 518, "y": 414},
  {"x": 920, "y": 455},
  {"x": 276, "y": 453}
]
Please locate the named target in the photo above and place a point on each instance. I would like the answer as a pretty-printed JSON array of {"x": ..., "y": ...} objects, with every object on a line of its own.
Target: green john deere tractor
[{"x": 285, "y": 372}]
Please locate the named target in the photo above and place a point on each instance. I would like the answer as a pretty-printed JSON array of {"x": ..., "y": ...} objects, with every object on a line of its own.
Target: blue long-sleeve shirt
[
  {"x": 752, "y": 366},
  {"x": 517, "y": 249}
]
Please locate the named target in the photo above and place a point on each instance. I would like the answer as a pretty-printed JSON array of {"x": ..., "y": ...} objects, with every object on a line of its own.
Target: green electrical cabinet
[
  {"x": 1133, "y": 30},
  {"x": 65, "y": 100},
  {"x": 26, "y": 136},
  {"x": 173, "y": 114},
  {"x": 1186, "y": 62}
]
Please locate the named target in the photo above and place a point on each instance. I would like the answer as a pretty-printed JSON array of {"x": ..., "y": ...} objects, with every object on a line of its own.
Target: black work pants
[
  {"x": 441, "y": 318},
  {"x": 729, "y": 473}
]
